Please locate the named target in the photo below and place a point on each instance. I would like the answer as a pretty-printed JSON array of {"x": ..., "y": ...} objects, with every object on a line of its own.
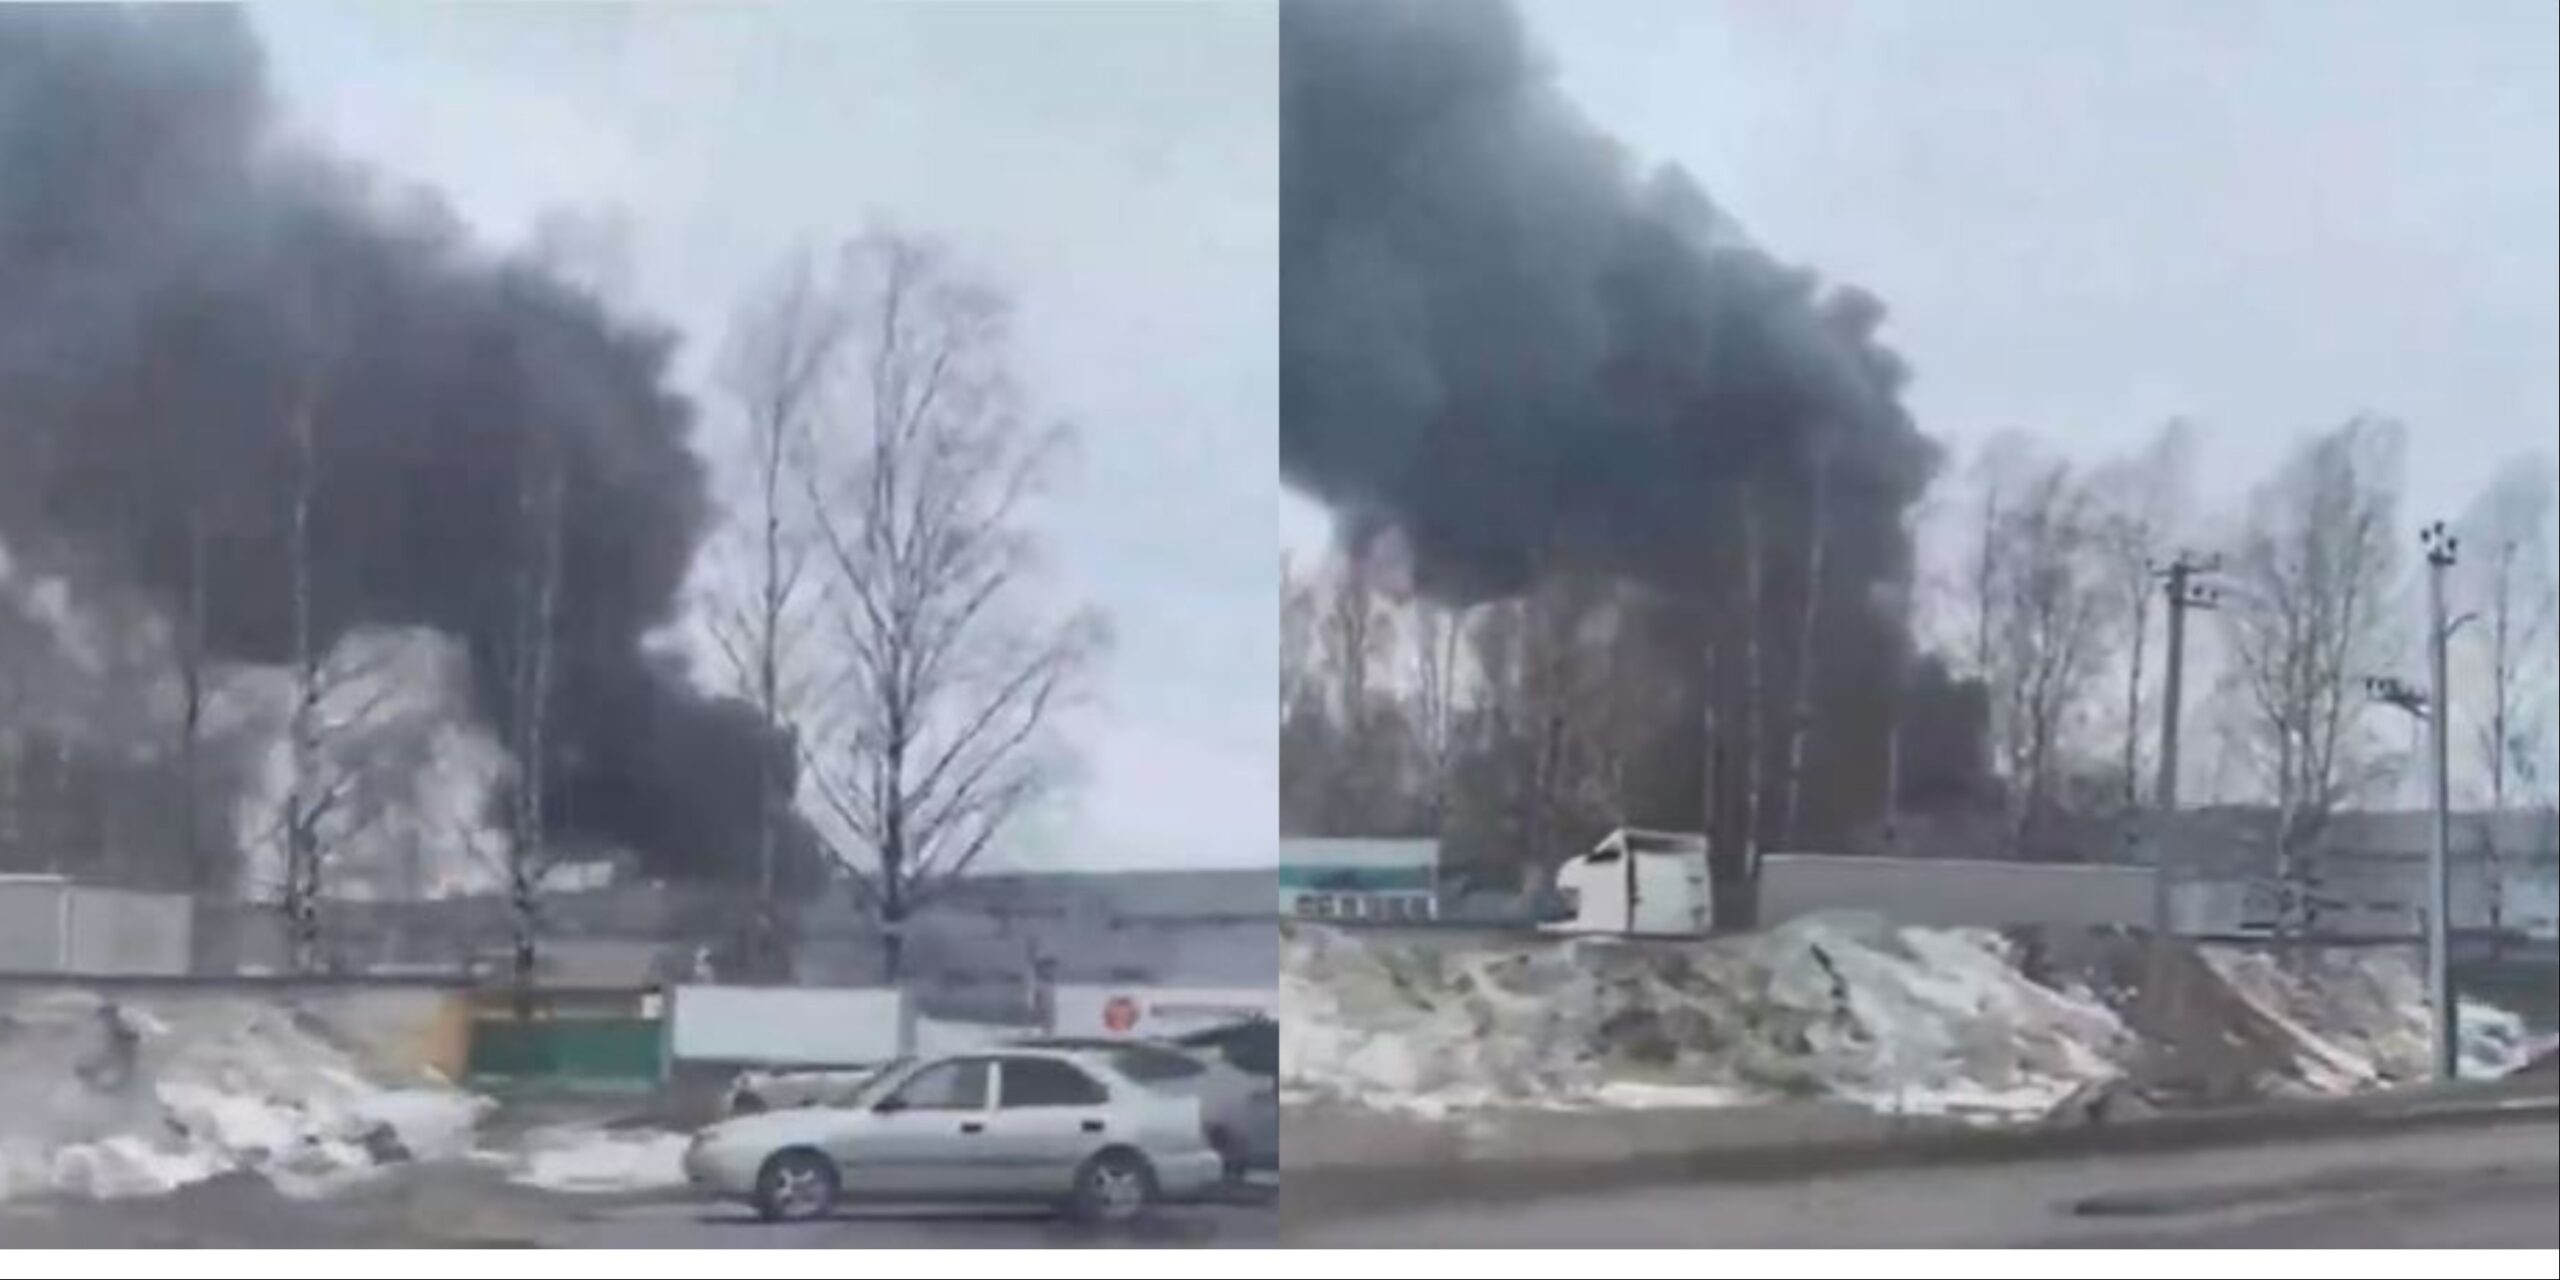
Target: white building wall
[
  {"x": 31, "y": 924},
  {"x": 49, "y": 925},
  {"x": 1949, "y": 892}
]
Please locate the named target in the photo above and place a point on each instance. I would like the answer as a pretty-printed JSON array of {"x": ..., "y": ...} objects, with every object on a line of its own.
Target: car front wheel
[
  {"x": 795, "y": 1186},
  {"x": 1114, "y": 1186}
]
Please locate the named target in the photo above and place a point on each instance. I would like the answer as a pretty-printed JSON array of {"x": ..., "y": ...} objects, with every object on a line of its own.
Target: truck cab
[{"x": 1635, "y": 883}]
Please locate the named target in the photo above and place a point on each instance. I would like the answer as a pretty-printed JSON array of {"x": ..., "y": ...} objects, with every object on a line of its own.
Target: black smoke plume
[
  {"x": 176, "y": 277},
  {"x": 1504, "y": 342},
  {"x": 1518, "y": 353}
]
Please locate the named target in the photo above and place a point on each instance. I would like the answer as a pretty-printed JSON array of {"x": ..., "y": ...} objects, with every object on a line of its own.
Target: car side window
[
  {"x": 1046, "y": 1082},
  {"x": 946, "y": 1086}
]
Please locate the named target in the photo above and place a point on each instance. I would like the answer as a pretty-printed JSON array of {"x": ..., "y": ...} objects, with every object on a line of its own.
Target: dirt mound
[{"x": 2224, "y": 1025}]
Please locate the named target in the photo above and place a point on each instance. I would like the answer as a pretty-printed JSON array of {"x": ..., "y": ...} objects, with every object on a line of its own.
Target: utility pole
[
  {"x": 2179, "y": 582},
  {"x": 2441, "y": 546}
]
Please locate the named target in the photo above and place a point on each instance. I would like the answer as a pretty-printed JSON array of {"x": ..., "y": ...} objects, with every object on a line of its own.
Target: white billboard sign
[
  {"x": 786, "y": 1026},
  {"x": 1157, "y": 1012}
]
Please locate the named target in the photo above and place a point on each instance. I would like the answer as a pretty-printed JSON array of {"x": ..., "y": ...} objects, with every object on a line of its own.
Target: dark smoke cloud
[
  {"x": 173, "y": 276},
  {"x": 1501, "y": 341}
]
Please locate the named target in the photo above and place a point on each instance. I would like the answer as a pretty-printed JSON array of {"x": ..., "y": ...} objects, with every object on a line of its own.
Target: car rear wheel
[
  {"x": 1231, "y": 1156},
  {"x": 796, "y": 1185},
  {"x": 1114, "y": 1186}
]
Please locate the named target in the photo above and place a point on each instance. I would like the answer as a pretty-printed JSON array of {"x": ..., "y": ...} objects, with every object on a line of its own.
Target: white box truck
[{"x": 1638, "y": 884}]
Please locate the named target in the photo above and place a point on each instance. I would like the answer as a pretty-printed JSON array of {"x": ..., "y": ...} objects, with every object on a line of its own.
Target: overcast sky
[
  {"x": 1115, "y": 165},
  {"x": 2088, "y": 218}
]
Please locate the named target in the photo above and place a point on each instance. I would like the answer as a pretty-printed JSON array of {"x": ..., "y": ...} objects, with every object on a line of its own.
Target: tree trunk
[
  {"x": 2501, "y": 680},
  {"x": 1756, "y": 692},
  {"x": 10, "y": 837},
  {"x": 2133, "y": 698},
  {"x": 543, "y": 506},
  {"x": 767, "y": 958},
  {"x": 191, "y": 692},
  {"x": 301, "y": 816},
  {"x": 1800, "y": 705}
]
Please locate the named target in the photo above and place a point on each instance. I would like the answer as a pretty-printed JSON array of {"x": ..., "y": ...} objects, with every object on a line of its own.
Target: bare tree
[
  {"x": 1437, "y": 632},
  {"x": 2306, "y": 621},
  {"x": 2048, "y": 600},
  {"x": 1538, "y": 724},
  {"x": 2143, "y": 497},
  {"x": 1984, "y": 570},
  {"x": 1755, "y": 691},
  {"x": 786, "y": 353},
  {"x": 1297, "y": 637},
  {"x": 1356, "y": 639},
  {"x": 303, "y": 809},
  {"x": 1799, "y": 725},
  {"x": 919, "y": 515},
  {"x": 542, "y": 518},
  {"x": 330, "y": 699},
  {"x": 2512, "y": 592}
]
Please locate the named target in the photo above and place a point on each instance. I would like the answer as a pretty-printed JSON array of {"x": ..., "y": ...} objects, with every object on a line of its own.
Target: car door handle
[
  {"x": 972, "y": 1126},
  {"x": 1092, "y": 1126}
]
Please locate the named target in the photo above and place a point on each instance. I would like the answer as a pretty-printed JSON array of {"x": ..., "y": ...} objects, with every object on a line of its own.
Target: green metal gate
[{"x": 618, "y": 1051}]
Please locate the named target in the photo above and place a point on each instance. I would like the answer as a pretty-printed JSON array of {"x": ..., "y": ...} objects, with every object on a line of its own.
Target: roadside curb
[{"x": 1365, "y": 1190}]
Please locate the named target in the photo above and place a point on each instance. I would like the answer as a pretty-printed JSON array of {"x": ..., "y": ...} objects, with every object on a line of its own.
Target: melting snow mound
[
  {"x": 1846, "y": 1007},
  {"x": 108, "y": 1100},
  {"x": 587, "y": 1158}
]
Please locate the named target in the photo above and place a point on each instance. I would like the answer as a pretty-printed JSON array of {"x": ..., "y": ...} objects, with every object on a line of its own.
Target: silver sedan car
[
  {"x": 1240, "y": 1105},
  {"x": 1068, "y": 1127}
]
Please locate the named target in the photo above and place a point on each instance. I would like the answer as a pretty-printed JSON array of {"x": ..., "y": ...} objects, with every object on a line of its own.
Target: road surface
[
  {"x": 2454, "y": 1187},
  {"x": 435, "y": 1206},
  {"x": 685, "y": 1226}
]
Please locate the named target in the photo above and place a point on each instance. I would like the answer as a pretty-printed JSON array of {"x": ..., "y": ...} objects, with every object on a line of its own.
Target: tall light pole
[
  {"x": 2178, "y": 582},
  {"x": 2441, "y": 547}
]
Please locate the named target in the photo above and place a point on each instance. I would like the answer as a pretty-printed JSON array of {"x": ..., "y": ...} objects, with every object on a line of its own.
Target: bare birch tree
[
  {"x": 2143, "y": 496},
  {"x": 1356, "y": 640},
  {"x": 1799, "y": 723},
  {"x": 2307, "y": 619},
  {"x": 1297, "y": 638},
  {"x": 542, "y": 503},
  {"x": 2048, "y": 600},
  {"x": 307, "y": 800},
  {"x": 785, "y": 358},
  {"x": 1437, "y": 633},
  {"x": 918, "y": 502},
  {"x": 2510, "y": 591}
]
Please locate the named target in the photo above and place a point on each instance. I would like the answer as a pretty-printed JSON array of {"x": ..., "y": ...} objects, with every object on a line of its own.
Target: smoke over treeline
[
  {"x": 1503, "y": 342},
  {"x": 1523, "y": 357},
  {"x": 177, "y": 281}
]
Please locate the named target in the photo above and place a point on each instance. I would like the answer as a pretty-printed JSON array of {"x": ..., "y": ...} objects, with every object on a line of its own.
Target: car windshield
[{"x": 878, "y": 1082}]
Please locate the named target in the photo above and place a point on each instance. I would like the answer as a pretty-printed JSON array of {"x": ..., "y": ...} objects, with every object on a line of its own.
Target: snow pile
[
  {"x": 590, "y": 1158},
  {"x": 98, "y": 1099},
  {"x": 1852, "y": 1009},
  {"x": 1842, "y": 1007}
]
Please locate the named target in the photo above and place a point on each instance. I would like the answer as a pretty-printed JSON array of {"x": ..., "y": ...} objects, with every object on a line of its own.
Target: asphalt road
[
  {"x": 2456, "y": 1187},
  {"x": 691, "y": 1226},
  {"x": 433, "y": 1206}
]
